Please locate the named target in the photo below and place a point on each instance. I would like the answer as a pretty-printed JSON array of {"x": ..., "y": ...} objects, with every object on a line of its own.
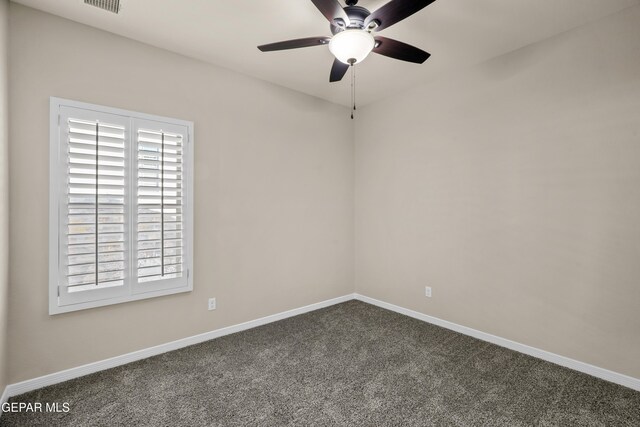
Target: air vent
[{"x": 110, "y": 5}]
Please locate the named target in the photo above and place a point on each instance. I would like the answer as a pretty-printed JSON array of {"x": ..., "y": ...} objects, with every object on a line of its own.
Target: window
[{"x": 121, "y": 198}]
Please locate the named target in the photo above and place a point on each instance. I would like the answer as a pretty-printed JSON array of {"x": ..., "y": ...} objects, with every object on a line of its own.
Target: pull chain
[
  {"x": 353, "y": 86},
  {"x": 353, "y": 93}
]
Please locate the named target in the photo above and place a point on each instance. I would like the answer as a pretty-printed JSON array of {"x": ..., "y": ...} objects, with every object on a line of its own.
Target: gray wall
[
  {"x": 4, "y": 191},
  {"x": 273, "y": 192},
  {"x": 513, "y": 189}
]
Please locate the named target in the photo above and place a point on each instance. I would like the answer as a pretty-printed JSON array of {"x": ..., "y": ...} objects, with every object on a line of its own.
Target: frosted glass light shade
[{"x": 351, "y": 44}]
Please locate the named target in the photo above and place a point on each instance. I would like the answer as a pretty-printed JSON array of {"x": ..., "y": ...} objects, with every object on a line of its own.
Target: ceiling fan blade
[
  {"x": 398, "y": 50},
  {"x": 395, "y": 11},
  {"x": 332, "y": 10},
  {"x": 295, "y": 44},
  {"x": 338, "y": 70}
]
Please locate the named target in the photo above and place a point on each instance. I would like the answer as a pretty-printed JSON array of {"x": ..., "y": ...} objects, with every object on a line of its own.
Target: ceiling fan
[{"x": 352, "y": 27}]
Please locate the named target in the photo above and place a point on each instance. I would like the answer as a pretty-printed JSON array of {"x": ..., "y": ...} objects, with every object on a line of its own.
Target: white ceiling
[{"x": 457, "y": 33}]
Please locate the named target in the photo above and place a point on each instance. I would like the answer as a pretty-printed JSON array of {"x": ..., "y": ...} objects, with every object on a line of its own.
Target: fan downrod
[{"x": 351, "y": 2}]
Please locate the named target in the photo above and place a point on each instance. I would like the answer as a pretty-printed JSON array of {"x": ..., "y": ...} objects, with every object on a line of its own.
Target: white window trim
[{"x": 54, "y": 206}]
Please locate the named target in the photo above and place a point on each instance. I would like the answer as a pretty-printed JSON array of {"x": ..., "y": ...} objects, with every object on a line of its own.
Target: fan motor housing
[{"x": 357, "y": 15}]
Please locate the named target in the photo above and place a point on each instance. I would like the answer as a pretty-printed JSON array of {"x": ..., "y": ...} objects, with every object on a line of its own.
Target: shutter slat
[
  {"x": 90, "y": 258},
  {"x": 157, "y": 226},
  {"x": 91, "y": 141},
  {"x": 103, "y": 149},
  {"x": 156, "y": 158},
  {"x": 157, "y": 175},
  {"x": 112, "y": 133},
  {"x": 85, "y": 279},
  {"x": 91, "y": 180},
  {"x": 149, "y": 149},
  {"x": 82, "y": 209},
  {"x": 78, "y": 159},
  {"x": 155, "y": 253},
  {"x": 154, "y": 166},
  {"x": 90, "y": 219},
  {"x": 102, "y": 201},
  {"x": 169, "y": 141},
  {"x": 103, "y": 170},
  {"x": 80, "y": 187},
  {"x": 79, "y": 249}
]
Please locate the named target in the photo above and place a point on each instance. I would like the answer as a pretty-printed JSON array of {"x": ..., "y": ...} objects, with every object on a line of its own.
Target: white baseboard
[
  {"x": 605, "y": 374},
  {"x": 90, "y": 368},
  {"x": 58, "y": 377},
  {"x": 4, "y": 397}
]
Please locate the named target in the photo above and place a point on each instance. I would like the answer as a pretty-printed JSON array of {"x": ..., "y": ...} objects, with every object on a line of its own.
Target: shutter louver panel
[
  {"x": 95, "y": 206},
  {"x": 160, "y": 206}
]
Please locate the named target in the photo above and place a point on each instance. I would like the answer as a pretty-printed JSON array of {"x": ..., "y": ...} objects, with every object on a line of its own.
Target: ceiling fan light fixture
[{"x": 349, "y": 45}]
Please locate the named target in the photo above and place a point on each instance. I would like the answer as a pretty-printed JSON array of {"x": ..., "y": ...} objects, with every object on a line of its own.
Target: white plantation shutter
[
  {"x": 160, "y": 204},
  {"x": 121, "y": 203},
  {"x": 93, "y": 237}
]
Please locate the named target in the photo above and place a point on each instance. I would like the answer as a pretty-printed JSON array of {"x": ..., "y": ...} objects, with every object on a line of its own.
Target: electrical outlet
[
  {"x": 427, "y": 291},
  {"x": 212, "y": 304}
]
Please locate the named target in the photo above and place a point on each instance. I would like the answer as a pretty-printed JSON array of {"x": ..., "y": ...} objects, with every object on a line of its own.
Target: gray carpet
[{"x": 351, "y": 364}]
